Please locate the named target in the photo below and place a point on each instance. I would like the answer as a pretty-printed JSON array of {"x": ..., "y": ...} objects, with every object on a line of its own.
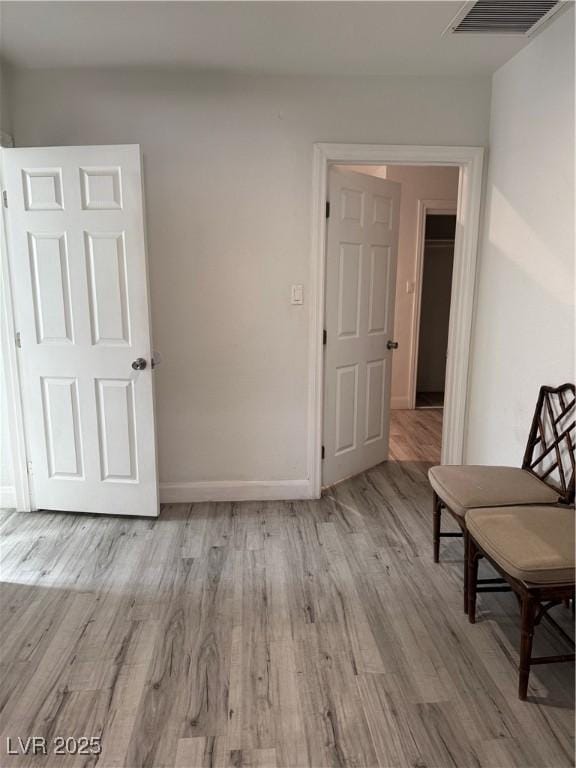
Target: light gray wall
[
  {"x": 5, "y": 111},
  {"x": 228, "y": 164},
  {"x": 524, "y": 327}
]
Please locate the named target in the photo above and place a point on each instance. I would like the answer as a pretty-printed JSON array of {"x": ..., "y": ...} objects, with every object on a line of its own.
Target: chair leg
[
  {"x": 528, "y": 614},
  {"x": 436, "y": 520},
  {"x": 472, "y": 557},
  {"x": 466, "y": 555}
]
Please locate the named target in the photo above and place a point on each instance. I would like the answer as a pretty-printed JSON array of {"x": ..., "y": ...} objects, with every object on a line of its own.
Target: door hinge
[
  {"x": 5, "y": 198},
  {"x": 18, "y": 340},
  {"x": 29, "y": 467},
  {"x": 323, "y": 452},
  {"x": 327, "y": 209},
  {"x": 324, "y": 336}
]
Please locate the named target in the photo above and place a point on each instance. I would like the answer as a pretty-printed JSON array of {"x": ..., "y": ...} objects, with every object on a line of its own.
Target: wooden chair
[
  {"x": 533, "y": 549},
  {"x": 546, "y": 475}
]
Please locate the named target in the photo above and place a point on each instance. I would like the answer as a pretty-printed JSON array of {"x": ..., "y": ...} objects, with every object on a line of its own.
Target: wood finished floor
[{"x": 271, "y": 634}]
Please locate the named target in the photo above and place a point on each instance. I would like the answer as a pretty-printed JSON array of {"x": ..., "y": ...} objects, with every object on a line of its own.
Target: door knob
[
  {"x": 392, "y": 345},
  {"x": 139, "y": 364}
]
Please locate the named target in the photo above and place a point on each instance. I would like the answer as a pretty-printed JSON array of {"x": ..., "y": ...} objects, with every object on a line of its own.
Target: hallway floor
[{"x": 416, "y": 435}]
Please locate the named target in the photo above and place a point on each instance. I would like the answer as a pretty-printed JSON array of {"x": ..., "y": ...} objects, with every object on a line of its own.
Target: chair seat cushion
[
  {"x": 464, "y": 487},
  {"x": 532, "y": 544}
]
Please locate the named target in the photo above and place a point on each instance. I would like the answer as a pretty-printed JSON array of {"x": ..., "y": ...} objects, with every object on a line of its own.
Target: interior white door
[
  {"x": 80, "y": 287},
  {"x": 361, "y": 256}
]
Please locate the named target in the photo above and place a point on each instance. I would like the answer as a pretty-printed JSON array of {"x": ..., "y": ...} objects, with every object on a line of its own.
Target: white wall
[
  {"x": 524, "y": 327},
  {"x": 379, "y": 171},
  {"x": 228, "y": 164}
]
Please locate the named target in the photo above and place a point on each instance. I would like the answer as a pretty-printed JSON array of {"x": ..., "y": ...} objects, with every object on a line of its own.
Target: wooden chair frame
[
  {"x": 553, "y": 406},
  {"x": 535, "y": 602},
  {"x": 538, "y": 449},
  {"x": 495, "y": 584}
]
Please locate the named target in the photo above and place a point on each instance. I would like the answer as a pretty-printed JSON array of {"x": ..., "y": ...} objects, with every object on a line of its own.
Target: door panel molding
[
  {"x": 361, "y": 255},
  {"x": 470, "y": 162},
  {"x": 77, "y": 267}
]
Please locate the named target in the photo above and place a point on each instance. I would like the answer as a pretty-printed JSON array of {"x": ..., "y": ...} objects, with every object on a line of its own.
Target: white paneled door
[
  {"x": 80, "y": 287},
  {"x": 361, "y": 255}
]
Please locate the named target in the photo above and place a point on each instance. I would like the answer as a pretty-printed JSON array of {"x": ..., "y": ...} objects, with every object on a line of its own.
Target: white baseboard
[
  {"x": 232, "y": 490},
  {"x": 400, "y": 403},
  {"x": 7, "y": 497}
]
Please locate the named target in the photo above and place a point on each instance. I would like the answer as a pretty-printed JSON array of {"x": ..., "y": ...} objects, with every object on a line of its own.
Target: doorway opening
[
  {"x": 363, "y": 407},
  {"x": 435, "y": 299},
  {"x": 389, "y": 261}
]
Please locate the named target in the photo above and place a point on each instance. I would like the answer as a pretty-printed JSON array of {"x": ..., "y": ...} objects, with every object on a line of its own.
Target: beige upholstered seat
[
  {"x": 464, "y": 487},
  {"x": 532, "y": 544}
]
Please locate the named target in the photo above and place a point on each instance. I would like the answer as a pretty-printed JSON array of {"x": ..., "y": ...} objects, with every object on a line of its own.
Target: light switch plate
[{"x": 297, "y": 294}]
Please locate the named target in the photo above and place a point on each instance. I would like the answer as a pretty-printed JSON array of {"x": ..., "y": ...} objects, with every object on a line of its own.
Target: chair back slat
[{"x": 550, "y": 449}]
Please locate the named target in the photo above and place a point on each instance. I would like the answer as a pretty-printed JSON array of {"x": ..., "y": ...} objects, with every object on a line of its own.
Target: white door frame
[
  {"x": 10, "y": 373},
  {"x": 469, "y": 160},
  {"x": 425, "y": 208}
]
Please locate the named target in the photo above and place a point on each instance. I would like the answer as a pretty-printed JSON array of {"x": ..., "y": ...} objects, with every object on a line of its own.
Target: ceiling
[{"x": 298, "y": 38}]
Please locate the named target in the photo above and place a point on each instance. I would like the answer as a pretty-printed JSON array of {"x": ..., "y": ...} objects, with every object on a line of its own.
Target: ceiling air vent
[{"x": 504, "y": 17}]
